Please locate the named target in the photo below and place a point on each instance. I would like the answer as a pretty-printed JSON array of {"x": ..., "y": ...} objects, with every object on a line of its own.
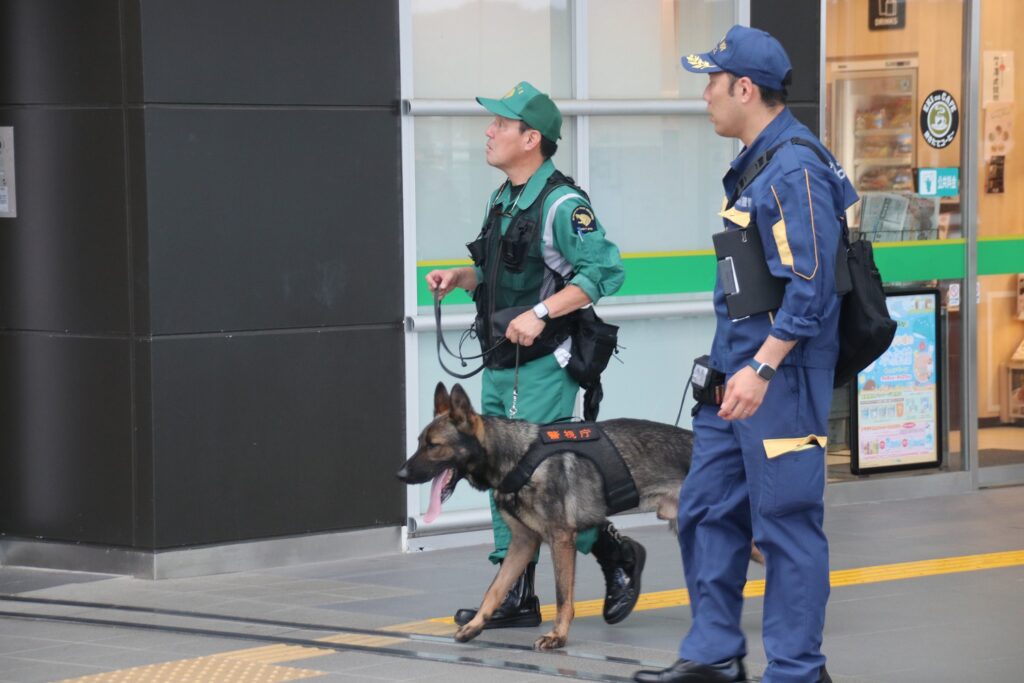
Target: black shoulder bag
[{"x": 865, "y": 327}]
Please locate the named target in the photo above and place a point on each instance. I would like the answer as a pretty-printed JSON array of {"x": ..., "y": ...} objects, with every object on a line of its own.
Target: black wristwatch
[
  {"x": 541, "y": 311},
  {"x": 763, "y": 370}
]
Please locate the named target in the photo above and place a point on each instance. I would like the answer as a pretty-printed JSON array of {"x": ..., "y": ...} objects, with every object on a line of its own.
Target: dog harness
[{"x": 584, "y": 439}]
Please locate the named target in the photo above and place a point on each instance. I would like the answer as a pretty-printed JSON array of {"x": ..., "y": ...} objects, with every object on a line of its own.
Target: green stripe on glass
[
  {"x": 1000, "y": 255},
  {"x": 688, "y": 272}
]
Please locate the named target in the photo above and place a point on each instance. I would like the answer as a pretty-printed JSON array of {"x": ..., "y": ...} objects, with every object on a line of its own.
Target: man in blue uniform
[
  {"x": 541, "y": 246},
  {"x": 759, "y": 456}
]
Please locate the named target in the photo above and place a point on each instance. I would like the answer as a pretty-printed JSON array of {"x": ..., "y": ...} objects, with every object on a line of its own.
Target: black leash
[
  {"x": 440, "y": 342},
  {"x": 462, "y": 359},
  {"x": 682, "y": 403}
]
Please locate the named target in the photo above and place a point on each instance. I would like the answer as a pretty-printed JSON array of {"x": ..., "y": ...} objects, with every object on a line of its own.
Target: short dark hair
[
  {"x": 771, "y": 98},
  {"x": 547, "y": 147}
]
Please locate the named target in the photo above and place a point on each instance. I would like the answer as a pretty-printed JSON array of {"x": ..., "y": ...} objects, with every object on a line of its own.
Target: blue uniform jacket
[{"x": 795, "y": 203}]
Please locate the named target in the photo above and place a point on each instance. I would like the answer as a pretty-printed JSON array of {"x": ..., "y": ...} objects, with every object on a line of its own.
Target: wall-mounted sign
[
  {"x": 998, "y": 138},
  {"x": 886, "y": 15},
  {"x": 940, "y": 119},
  {"x": 994, "y": 175},
  {"x": 938, "y": 182},
  {"x": 896, "y": 409},
  {"x": 8, "y": 199},
  {"x": 997, "y": 77}
]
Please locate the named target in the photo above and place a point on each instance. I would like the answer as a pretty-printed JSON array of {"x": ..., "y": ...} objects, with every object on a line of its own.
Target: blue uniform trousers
[{"x": 735, "y": 492}]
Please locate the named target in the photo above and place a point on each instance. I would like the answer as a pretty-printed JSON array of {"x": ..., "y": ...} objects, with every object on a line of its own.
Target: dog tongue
[{"x": 435, "y": 496}]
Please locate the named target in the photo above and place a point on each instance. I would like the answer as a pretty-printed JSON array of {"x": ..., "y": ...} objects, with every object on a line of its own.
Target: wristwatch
[
  {"x": 763, "y": 370},
  {"x": 541, "y": 311}
]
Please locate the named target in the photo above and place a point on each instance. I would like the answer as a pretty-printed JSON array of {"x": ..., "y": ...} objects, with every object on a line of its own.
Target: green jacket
[{"x": 570, "y": 241}]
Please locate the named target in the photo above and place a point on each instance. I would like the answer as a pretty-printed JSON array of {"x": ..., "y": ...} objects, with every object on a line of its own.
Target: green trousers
[{"x": 546, "y": 393}]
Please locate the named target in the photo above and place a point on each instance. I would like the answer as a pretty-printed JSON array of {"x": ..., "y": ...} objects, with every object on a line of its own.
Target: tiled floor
[{"x": 962, "y": 622}]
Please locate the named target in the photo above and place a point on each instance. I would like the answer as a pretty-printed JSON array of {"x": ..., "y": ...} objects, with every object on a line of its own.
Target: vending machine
[{"x": 873, "y": 127}]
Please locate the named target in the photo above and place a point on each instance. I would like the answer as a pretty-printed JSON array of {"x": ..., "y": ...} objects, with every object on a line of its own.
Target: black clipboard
[{"x": 749, "y": 285}]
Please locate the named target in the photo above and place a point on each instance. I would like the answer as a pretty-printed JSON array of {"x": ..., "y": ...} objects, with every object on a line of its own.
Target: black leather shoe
[
  {"x": 824, "y": 678},
  {"x": 520, "y": 607},
  {"x": 622, "y": 562},
  {"x": 686, "y": 671}
]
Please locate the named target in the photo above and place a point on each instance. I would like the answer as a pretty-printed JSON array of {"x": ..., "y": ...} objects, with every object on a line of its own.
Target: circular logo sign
[{"x": 940, "y": 119}]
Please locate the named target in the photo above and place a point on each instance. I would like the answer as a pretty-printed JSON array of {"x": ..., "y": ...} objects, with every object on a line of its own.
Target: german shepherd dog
[{"x": 564, "y": 495}]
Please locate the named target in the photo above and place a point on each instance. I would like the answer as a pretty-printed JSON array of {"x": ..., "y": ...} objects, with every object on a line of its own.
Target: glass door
[
  {"x": 879, "y": 80},
  {"x": 1000, "y": 249}
]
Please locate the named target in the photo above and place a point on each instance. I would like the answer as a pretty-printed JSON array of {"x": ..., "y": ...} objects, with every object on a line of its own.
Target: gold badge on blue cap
[
  {"x": 583, "y": 220},
  {"x": 697, "y": 62}
]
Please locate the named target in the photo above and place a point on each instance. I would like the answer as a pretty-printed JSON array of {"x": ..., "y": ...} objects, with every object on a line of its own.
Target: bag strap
[{"x": 759, "y": 164}]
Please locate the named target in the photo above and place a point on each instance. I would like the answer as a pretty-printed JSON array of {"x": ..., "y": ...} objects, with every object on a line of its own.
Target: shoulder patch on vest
[{"x": 583, "y": 220}]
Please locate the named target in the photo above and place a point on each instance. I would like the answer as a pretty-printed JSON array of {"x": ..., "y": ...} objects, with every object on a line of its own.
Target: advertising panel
[{"x": 896, "y": 408}]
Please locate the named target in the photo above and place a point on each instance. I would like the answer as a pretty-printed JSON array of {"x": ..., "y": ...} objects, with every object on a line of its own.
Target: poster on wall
[
  {"x": 896, "y": 422},
  {"x": 994, "y": 175},
  {"x": 998, "y": 138},
  {"x": 1020, "y": 296},
  {"x": 997, "y": 77}
]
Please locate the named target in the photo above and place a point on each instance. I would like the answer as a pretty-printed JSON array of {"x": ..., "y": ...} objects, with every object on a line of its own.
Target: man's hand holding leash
[{"x": 443, "y": 281}]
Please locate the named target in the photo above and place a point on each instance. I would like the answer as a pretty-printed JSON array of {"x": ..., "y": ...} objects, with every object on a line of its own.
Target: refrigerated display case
[{"x": 873, "y": 129}]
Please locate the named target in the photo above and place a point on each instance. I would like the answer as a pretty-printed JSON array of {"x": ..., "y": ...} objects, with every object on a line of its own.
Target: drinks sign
[{"x": 886, "y": 15}]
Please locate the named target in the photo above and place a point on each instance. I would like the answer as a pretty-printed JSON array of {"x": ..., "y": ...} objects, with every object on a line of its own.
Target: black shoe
[
  {"x": 519, "y": 608},
  {"x": 622, "y": 561},
  {"x": 686, "y": 671},
  {"x": 824, "y": 678}
]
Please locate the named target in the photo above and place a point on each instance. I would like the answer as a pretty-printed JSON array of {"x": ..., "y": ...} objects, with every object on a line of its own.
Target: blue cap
[{"x": 746, "y": 52}]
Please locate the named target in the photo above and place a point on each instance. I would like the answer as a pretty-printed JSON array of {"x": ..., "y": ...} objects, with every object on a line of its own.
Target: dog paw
[
  {"x": 549, "y": 641},
  {"x": 468, "y": 632}
]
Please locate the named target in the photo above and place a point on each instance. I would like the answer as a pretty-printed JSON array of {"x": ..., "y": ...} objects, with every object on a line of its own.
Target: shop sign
[
  {"x": 886, "y": 15},
  {"x": 898, "y": 396},
  {"x": 938, "y": 182},
  {"x": 940, "y": 119}
]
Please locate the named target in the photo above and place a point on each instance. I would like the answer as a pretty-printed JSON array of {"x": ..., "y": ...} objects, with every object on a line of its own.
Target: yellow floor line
[
  {"x": 261, "y": 663},
  {"x": 841, "y": 577}
]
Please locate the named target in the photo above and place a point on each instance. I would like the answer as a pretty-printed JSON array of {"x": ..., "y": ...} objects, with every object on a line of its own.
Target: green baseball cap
[{"x": 525, "y": 103}]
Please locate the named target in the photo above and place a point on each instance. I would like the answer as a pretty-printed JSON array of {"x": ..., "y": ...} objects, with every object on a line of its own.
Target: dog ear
[
  {"x": 442, "y": 403},
  {"x": 462, "y": 409}
]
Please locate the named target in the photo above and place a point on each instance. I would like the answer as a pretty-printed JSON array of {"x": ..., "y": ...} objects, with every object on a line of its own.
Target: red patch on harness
[{"x": 561, "y": 434}]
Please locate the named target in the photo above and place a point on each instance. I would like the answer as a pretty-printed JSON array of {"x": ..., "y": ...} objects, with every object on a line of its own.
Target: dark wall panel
[
  {"x": 266, "y": 435},
  {"x": 271, "y": 52},
  {"x": 268, "y": 218},
  {"x": 60, "y": 51},
  {"x": 797, "y": 25},
  {"x": 66, "y": 468},
  {"x": 64, "y": 259},
  {"x": 807, "y": 114}
]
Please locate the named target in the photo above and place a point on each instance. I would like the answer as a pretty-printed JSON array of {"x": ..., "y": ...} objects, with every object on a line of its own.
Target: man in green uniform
[{"x": 556, "y": 259}]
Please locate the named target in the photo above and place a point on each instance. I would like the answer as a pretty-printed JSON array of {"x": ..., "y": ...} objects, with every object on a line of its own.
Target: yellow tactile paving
[
  {"x": 259, "y": 664},
  {"x": 276, "y": 654},
  {"x": 429, "y": 627},
  {"x": 212, "y": 669},
  {"x": 361, "y": 640},
  {"x": 842, "y": 577}
]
